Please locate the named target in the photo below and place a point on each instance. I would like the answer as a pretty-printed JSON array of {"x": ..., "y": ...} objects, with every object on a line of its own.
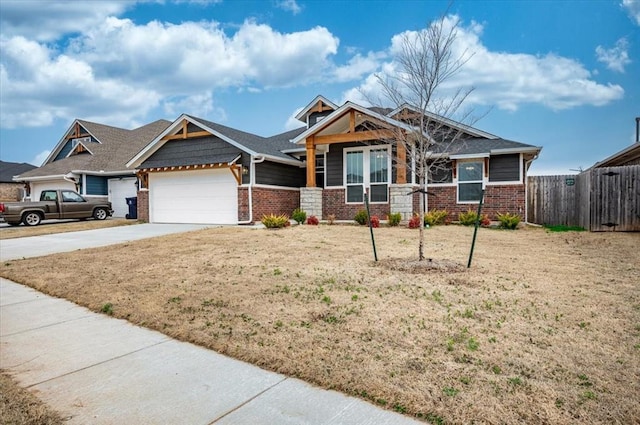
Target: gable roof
[
  {"x": 497, "y": 146},
  {"x": 270, "y": 147},
  {"x": 449, "y": 122},
  {"x": 10, "y": 169},
  {"x": 340, "y": 112},
  {"x": 302, "y": 115},
  {"x": 116, "y": 147}
]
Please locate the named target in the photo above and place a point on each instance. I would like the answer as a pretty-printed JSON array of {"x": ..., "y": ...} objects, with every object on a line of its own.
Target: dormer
[{"x": 316, "y": 111}]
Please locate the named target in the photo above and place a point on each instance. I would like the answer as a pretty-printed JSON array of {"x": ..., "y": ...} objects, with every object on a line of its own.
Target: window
[
  {"x": 367, "y": 168},
  {"x": 469, "y": 181},
  {"x": 320, "y": 170},
  {"x": 68, "y": 196}
]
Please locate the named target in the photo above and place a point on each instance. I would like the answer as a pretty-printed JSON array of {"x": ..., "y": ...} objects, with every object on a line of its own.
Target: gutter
[{"x": 254, "y": 160}]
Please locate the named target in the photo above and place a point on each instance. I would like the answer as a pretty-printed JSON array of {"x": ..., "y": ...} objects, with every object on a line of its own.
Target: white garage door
[
  {"x": 119, "y": 190},
  {"x": 202, "y": 196}
]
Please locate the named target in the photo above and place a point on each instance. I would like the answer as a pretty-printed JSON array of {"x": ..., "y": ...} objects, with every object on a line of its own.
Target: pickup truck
[{"x": 54, "y": 204}]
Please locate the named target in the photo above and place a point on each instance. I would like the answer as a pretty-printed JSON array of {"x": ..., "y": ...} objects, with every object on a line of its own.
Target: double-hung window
[
  {"x": 367, "y": 168},
  {"x": 469, "y": 181}
]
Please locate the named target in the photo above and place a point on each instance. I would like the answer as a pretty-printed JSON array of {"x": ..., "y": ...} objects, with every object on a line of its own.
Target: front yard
[{"x": 544, "y": 328}]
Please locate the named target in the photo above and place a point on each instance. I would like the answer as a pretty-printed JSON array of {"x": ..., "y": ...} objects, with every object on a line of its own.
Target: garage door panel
[{"x": 203, "y": 196}]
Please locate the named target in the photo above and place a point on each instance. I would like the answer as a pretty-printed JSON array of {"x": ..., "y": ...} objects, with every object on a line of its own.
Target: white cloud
[
  {"x": 38, "y": 86},
  {"x": 358, "y": 66},
  {"x": 290, "y": 6},
  {"x": 39, "y": 159},
  {"x": 200, "y": 105},
  {"x": 48, "y": 20},
  {"x": 510, "y": 80},
  {"x": 633, "y": 9},
  {"x": 292, "y": 122},
  {"x": 615, "y": 58}
]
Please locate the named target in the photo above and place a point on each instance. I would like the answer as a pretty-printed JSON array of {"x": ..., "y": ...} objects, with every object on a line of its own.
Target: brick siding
[
  {"x": 497, "y": 199},
  {"x": 272, "y": 201},
  {"x": 333, "y": 203},
  {"x": 10, "y": 192},
  {"x": 143, "y": 205}
]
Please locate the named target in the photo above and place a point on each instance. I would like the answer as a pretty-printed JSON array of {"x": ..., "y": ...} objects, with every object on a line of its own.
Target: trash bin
[{"x": 133, "y": 208}]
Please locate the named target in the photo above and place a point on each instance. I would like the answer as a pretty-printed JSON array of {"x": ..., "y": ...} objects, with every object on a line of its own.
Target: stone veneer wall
[
  {"x": 311, "y": 201},
  {"x": 143, "y": 205},
  {"x": 402, "y": 200}
]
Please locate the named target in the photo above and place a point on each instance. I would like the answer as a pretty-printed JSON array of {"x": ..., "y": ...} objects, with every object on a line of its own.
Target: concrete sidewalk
[
  {"x": 99, "y": 370},
  {"x": 35, "y": 246}
]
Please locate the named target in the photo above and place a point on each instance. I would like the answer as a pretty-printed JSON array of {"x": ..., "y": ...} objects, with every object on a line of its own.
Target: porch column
[
  {"x": 311, "y": 201},
  {"x": 401, "y": 200},
  {"x": 311, "y": 162},
  {"x": 401, "y": 163}
]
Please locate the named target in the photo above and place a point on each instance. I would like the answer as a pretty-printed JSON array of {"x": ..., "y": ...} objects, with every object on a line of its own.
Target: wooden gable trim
[
  {"x": 321, "y": 107},
  {"x": 357, "y": 136},
  {"x": 143, "y": 174},
  {"x": 184, "y": 134}
]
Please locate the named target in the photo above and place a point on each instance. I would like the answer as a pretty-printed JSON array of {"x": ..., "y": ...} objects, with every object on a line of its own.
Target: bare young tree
[{"x": 426, "y": 61}]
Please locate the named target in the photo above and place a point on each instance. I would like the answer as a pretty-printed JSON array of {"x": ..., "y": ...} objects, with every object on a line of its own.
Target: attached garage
[
  {"x": 119, "y": 190},
  {"x": 196, "y": 196}
]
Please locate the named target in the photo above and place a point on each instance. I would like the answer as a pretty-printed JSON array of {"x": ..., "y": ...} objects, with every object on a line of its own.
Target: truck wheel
[
  {"x": 31, "y": 219},
  {"x": 100, "y": 214}
]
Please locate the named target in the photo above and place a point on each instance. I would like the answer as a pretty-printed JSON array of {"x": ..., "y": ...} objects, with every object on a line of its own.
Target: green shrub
[
  {"x": 299, "y": 215},
  {"x": 361, "y": 217},
  {"x": 468, "y": 218},
  {"x": 508, "y": 220},
  {"x": 273, "y": 221},
  {"x": 435, "y": 217},
  {"x": 394, "y": 219}
]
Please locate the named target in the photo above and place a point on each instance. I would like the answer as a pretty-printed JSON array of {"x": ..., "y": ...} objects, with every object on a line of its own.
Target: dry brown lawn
[
  {"x": 19, "y": 407},
  {"x": 61, "y": 227},
  {"x": 544, "y": 328}
]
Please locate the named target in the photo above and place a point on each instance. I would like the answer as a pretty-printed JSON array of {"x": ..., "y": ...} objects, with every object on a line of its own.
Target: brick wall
[
  {"x": 333, "y": 203},
  {"x": 143, "y": 205},
  {"x": 497, "y": 199},
  {"x": 243, "y": 204},
  {"x": 10, "y": 192},
  {"x": 273, "y": 201}
]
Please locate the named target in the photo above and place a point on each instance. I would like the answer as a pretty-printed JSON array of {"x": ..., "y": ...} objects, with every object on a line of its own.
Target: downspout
[
  {"x": 526, "y": 188},
  {"x": 252, "y": 177}
]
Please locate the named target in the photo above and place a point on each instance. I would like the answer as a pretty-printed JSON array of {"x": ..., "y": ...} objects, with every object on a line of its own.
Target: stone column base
[
  {"x": 311, "y": 201},
  {"x": 401, "y": 200}
]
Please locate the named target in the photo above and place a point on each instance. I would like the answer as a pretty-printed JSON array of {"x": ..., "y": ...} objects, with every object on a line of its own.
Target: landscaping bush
[
  {"x": 414, "y": 223},
  {"x": 299, "y": 215},
  {"x": 485, "y": 221},
  {"x": 375, "y": 221},
  {"x": 435, "y": 217},
  {"x": 313, "y": 220},
  {"x": 508, "y": 220},
  {"x": 273, "y": 221},
  {"x": 361, "y": 217},
  {"x": 394, "y": 219},
  {"x": 468, "y": 218},
  {"x": 331, "y": 218}
]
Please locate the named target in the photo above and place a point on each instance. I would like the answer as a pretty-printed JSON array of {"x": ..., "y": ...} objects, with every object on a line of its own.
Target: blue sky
[{"x": 564, "y": 75}]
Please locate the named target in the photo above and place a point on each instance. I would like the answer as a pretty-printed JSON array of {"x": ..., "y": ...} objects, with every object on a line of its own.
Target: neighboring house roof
[
  {"x": 626, "y": 156},
  {"x": 10, "y": 169},
  {"x": 116, "y": 146}
]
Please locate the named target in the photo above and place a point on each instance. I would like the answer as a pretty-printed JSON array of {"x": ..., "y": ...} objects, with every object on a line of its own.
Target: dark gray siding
[
  {"x": 313, "y": 118},
  {"x": 276, "y": 174},
  {"x": 64, "y": 151},
  {"x": 97, "y": 185},
  {"x": 204, "y": 150},
  {"x": 504, "y": 168}
]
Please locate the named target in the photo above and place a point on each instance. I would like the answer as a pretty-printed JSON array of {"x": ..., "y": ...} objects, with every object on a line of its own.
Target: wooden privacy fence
[{"x": 599, "y": 199}]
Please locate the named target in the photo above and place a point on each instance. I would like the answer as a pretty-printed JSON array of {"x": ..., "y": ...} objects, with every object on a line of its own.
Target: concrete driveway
[{"x": 36, "y": 246}]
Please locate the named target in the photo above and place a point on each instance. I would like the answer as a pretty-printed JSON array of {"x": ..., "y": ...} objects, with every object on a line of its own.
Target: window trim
[
  {"x": 366, "y": 167},
  {"x": 459, "y": 163}
]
